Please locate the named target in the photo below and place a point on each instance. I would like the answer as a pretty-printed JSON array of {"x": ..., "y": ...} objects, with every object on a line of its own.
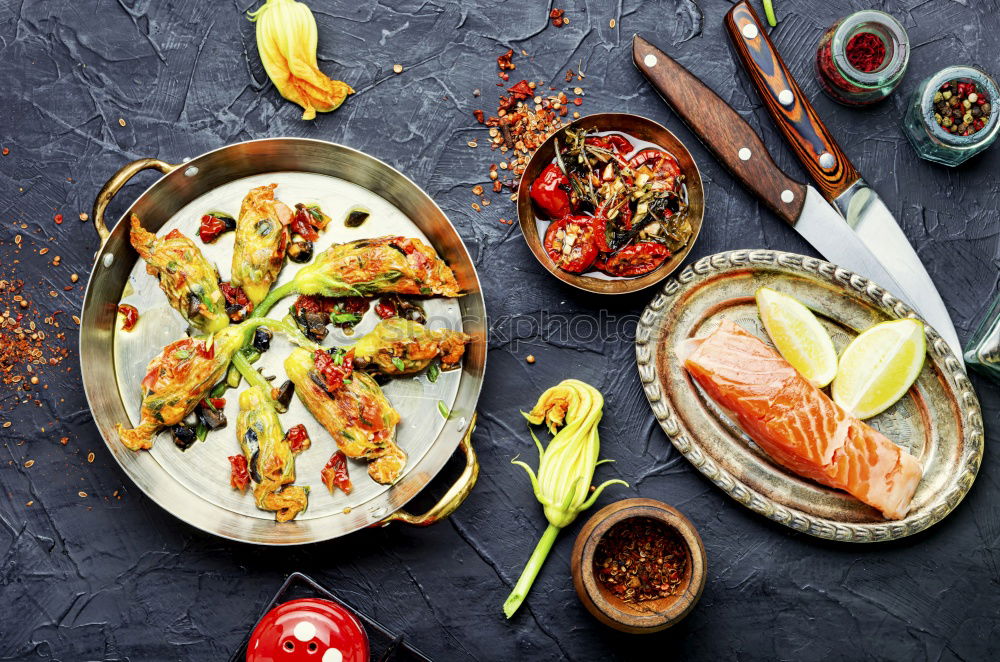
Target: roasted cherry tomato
[
  {"x": 636, "y": 259},
  {"x": 335, "y": 474},
  {"x": 239, "y": 476},
  {"x": 298, "y": 438},
  {"x": 308, "y": 630},
  {"x": 130, "y": 316},
  {"x": 302, "y": 224},
  {"x": 330, "y": 372},
  {"x": 571, "y": 243},
  {"x": 550, "y": 191}
]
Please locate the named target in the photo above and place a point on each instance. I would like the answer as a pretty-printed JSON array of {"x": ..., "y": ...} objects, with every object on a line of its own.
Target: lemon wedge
[
  {"x": 879, "y": 367},
  {"x": 798, "y": 335}
]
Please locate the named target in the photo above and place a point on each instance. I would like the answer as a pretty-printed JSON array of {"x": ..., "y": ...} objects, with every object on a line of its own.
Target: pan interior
[{"x": 203, "y": 468}]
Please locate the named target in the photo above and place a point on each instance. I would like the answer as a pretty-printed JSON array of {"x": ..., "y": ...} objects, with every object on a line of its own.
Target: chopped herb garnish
[
  {"x": 201, "y": 431},
  {"x": 432, "y": 372},
  {"x": 398, "y": 362},
  {"x": 443, "y": 408}
]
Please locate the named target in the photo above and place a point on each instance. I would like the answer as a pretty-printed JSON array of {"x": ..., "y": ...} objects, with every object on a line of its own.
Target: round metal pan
[
  {"x": 938, "y": 421},
  {"x": 639, "y": 127},
  {"x": 195, "y": 487}
]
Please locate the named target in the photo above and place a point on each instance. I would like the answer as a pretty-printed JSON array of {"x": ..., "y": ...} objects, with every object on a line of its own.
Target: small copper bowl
[
  {"x": 642, "y": 617},
  {"x": 643, "y": 129}
]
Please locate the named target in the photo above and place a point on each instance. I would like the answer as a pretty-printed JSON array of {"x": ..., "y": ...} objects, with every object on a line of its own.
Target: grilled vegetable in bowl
[
  {"x": 368, "y": 267},
  {"x": 261, "y": 241},
  {"x": 351, "y": 406},
  {"x": 616, "y": 205},
  {"x": 400, "y": 347},
  {"x": 190, "y": 282},
  {"x": 269, "y": 456}
]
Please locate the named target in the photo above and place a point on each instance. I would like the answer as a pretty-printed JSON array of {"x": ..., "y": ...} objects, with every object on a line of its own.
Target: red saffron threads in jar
[{"x": 866, "y": 52}]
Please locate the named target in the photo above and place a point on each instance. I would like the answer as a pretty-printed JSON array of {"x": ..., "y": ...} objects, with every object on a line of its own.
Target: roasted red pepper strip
[
  {"x": 648, "y": 155},
  {"x": 331, "y": 374},
  {"x": 571, "y": 243},
  {"x": 298, "y": 438},
  {"x": 550, "y": 191},
  {"x": 636, "y": 259},
  {"x": 130, "y": 316},
  {"x": 334, "y": 474},
  {"x": 239, "y": 476},
  {"x": 613, "y": 142}
]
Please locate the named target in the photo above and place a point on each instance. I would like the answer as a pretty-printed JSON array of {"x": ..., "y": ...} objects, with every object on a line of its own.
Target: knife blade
[{"x": 834, "y": 174}]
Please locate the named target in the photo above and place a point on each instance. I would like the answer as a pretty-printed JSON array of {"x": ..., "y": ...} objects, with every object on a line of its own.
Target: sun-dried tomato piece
[
  {"x": 239, "y": 476},
  {"x": 335, "y": 474}
]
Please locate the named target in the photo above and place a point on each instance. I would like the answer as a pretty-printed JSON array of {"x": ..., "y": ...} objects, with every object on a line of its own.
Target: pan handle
[
  {"x": 117, "y": 181},
  {"x": 455, "y": 495}
]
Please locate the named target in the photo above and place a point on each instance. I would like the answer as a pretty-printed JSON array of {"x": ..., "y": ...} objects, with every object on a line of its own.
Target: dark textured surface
[{"x": 99, "y": 578}]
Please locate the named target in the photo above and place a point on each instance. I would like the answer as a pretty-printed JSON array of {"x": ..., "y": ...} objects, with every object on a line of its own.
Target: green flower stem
[
  {"x": 273, "y": 297},
  {"x": 530, "y": 571},
  {"x": 769, "y": 12}
]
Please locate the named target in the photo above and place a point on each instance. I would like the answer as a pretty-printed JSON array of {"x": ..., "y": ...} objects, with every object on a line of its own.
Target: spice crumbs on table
[
  {"x": 58, "y": 219},
  {"x": 30, "y": 503},
  {"x": 7, "y": 424},
  {"x": 90, "y": 457},
  {"x": 73, "y": 278},
  {"x": 476, "y": 206},
  {"x": 76, "y": 320},
  {"x": 397, "y": 68},
  {"x": 82, "y": 494},
  {"x": 29, "y": 464},
  {"x": 611, "y": 24},
  {"x": 43, "y": 251},
  {"x": 530, "y": 358},
  {"x": 84, "y": 216},
  {"x": 473, "y": 144},
  {"x": 6, "y": 151},
  {"x": 121, "y": 121},
  {"x": 477, "y": 189},
  {"x": 64, "y": 440}
]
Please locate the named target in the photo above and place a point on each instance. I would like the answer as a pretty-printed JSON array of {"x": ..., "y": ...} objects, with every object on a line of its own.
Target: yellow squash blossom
[{"x": 286, "y": 41}]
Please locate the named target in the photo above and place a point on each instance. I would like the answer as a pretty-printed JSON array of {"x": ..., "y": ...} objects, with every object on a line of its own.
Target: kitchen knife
[
  {"x": 833, "y": 172},
  {"x": 740, "y": 149}
]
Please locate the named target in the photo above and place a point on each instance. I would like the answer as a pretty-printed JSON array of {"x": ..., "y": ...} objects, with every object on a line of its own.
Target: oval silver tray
[{"x": 939, "y": 421}]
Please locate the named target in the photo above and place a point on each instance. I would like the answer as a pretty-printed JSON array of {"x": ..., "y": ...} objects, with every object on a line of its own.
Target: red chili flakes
[
  {"x": 522, "y": 90},
  {"x": 640, "y": 559},
  {"x": 504, "y": 61},
  {"x": 6, "y": 151},
  {"x": 335, "y": 474},
  {"x": 480, "y": 116},
  {"x": 59, "y": 219},
  {"x": 558, "y": 18}
]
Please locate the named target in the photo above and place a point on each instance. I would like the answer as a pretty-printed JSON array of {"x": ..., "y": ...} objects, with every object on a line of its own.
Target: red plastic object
[{"x": 308, "y": 630}]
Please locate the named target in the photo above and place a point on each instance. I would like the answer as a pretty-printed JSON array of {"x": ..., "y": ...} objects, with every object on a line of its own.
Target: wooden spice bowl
[
  {"x": 639, "y": 127},
  {"x": 641, "y": 617}
]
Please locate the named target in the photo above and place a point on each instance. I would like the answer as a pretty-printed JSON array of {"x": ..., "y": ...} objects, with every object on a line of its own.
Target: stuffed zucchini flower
[
  {"x": 352, "y": 408},
  {"x": 397, "y": 346},
  {"x": 269, "y": 456},
  {"x": 368, "y": 267},
  {"x": 261, "y": 240},
  {"x": 190, "y": 282},
  {"x": 286, "y": 40}
]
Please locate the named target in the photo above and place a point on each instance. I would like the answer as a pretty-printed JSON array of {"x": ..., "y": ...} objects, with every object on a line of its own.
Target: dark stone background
[{"x": 108, "y": 579}]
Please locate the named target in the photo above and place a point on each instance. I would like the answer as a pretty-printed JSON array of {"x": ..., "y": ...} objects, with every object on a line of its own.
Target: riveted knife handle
[
  {"x": 796, "y": 118},
  {"x": 721, "y": 129}
]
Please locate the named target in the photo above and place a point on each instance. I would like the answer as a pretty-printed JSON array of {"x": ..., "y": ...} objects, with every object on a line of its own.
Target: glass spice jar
[
  {"x": 983, "y": 351},
  {"x": 862, "y": 58},
  {"x": 932, "y": 141}
]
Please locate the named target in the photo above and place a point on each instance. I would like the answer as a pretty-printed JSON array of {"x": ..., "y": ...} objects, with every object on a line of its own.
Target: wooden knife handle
[
  {"x": 721, "y": 129},
  {"x": 791, "y": 110}
]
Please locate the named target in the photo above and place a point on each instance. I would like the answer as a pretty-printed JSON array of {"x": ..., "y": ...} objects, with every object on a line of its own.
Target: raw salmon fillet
[{"x": 797, "y": 424}]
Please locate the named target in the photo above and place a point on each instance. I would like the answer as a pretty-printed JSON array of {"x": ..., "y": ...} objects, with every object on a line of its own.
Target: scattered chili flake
[
  {"x": 477, "y": 189},
  {"x": 480, "y": 116},
  {"x": 6, "y": 151},
  {"x": 504, "y": 61},
  {"x": 90, "y": 457},
  {"x": 59, "y": 219},
  {"x": 130, "y": 316},
  {"x": 556, "y": 15},
  {"x": 640, "y": 559},
  {"x": 84, "y": 216},
  {"x": 335, "y": 474},
  {"x": 64, "y": 440}
]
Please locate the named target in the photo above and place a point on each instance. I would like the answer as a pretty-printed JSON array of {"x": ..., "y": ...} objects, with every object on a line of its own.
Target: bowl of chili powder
[{"x": 639, "y": 566}]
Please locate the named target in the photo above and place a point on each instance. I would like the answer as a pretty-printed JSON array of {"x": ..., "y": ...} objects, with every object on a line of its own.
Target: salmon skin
[{"x": 797, "y": 424}]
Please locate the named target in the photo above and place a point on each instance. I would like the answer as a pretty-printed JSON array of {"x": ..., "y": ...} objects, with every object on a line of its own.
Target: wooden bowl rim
[
  {"x": 586, "y": 583},
  {"x": 696, "y": 205}
]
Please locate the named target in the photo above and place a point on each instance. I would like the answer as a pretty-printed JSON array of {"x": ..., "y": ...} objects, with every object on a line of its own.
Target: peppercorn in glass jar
[
  {"x": 951, "y": 117},
  {"x": 862, "y": 58}
]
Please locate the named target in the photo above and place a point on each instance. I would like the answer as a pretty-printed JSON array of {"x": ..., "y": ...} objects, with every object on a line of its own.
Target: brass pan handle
[
  {"x": 117, "y": 181},
  {"x": 455, "y": 495}
]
